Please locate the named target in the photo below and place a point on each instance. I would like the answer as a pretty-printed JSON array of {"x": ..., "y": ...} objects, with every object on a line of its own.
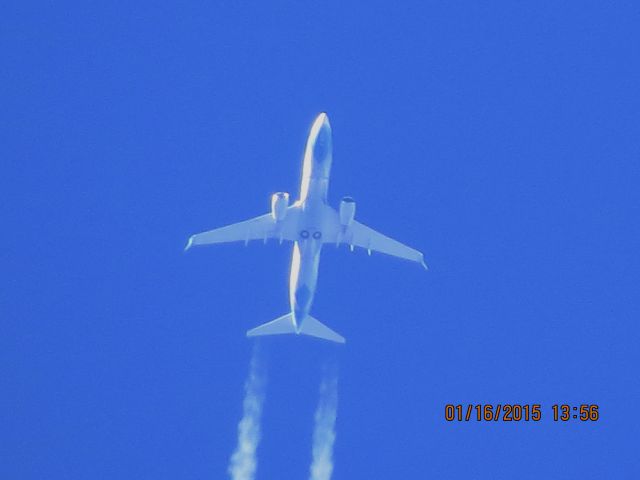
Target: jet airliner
[{"x": 308, "y": 223}]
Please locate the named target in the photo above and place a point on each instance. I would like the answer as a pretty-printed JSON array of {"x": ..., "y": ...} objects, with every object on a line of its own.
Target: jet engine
[
  {"x": 279, "y": 205},
  {"x": 347, "y": 211}
]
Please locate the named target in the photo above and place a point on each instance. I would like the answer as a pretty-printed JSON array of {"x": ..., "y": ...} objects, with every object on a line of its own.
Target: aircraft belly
[
  {"x": 318, "y": 155},
  {"x": 304, "y": 277}
]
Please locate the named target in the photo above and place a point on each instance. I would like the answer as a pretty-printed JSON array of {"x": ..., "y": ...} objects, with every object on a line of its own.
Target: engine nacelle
[
  {"x": 347, "y": 211},
  {"x": 279, "y": 205}
]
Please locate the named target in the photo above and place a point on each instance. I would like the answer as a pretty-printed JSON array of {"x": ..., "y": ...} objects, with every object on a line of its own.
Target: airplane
[{"x": 308, "y": 223}]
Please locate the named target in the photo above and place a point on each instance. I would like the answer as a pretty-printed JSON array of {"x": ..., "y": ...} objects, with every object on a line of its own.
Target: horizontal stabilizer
[
  {"x": 279, "y": 326},
  {"x": 312, "y": 327},
  {"x": 285, "y": 324}
]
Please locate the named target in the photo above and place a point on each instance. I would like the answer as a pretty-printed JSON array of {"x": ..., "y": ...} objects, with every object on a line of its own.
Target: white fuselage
[{"x": 315, "y": 212}]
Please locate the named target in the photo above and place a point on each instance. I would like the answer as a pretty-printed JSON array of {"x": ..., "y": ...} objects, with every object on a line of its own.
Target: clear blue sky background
[{"x": 502, "y": 140}]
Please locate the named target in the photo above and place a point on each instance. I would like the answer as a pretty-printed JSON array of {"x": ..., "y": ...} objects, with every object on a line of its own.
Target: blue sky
[{"x": 502, "y": 140}]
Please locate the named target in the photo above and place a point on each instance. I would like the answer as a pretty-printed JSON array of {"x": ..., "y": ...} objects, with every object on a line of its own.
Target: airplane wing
[
  {"x": 259, "y": 228},
  {"x": 360, "y": 235}
]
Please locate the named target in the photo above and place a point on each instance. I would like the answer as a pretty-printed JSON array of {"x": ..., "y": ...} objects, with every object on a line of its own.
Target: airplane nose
[
  {"x": 320, "y": 138},
  {"x": 323, "y": 119},
  {"x": 321, "y": 123}
]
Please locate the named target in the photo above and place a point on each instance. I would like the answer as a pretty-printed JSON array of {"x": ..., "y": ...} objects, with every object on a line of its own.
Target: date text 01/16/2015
[{"x": 513, "y": 412}]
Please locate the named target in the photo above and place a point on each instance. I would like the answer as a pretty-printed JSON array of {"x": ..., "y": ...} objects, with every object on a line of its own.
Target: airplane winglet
[{"x": 189, "y": 243}]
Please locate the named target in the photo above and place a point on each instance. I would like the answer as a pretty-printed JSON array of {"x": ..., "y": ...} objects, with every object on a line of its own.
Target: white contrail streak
[
  {"x": 324, "y": 433},
  {"x": 243, "y": 462}
]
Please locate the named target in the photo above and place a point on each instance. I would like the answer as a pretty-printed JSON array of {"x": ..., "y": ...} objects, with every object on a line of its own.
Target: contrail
[
  {"x": 243, "y": 462},
  {"x": 324, "y": 433}
]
